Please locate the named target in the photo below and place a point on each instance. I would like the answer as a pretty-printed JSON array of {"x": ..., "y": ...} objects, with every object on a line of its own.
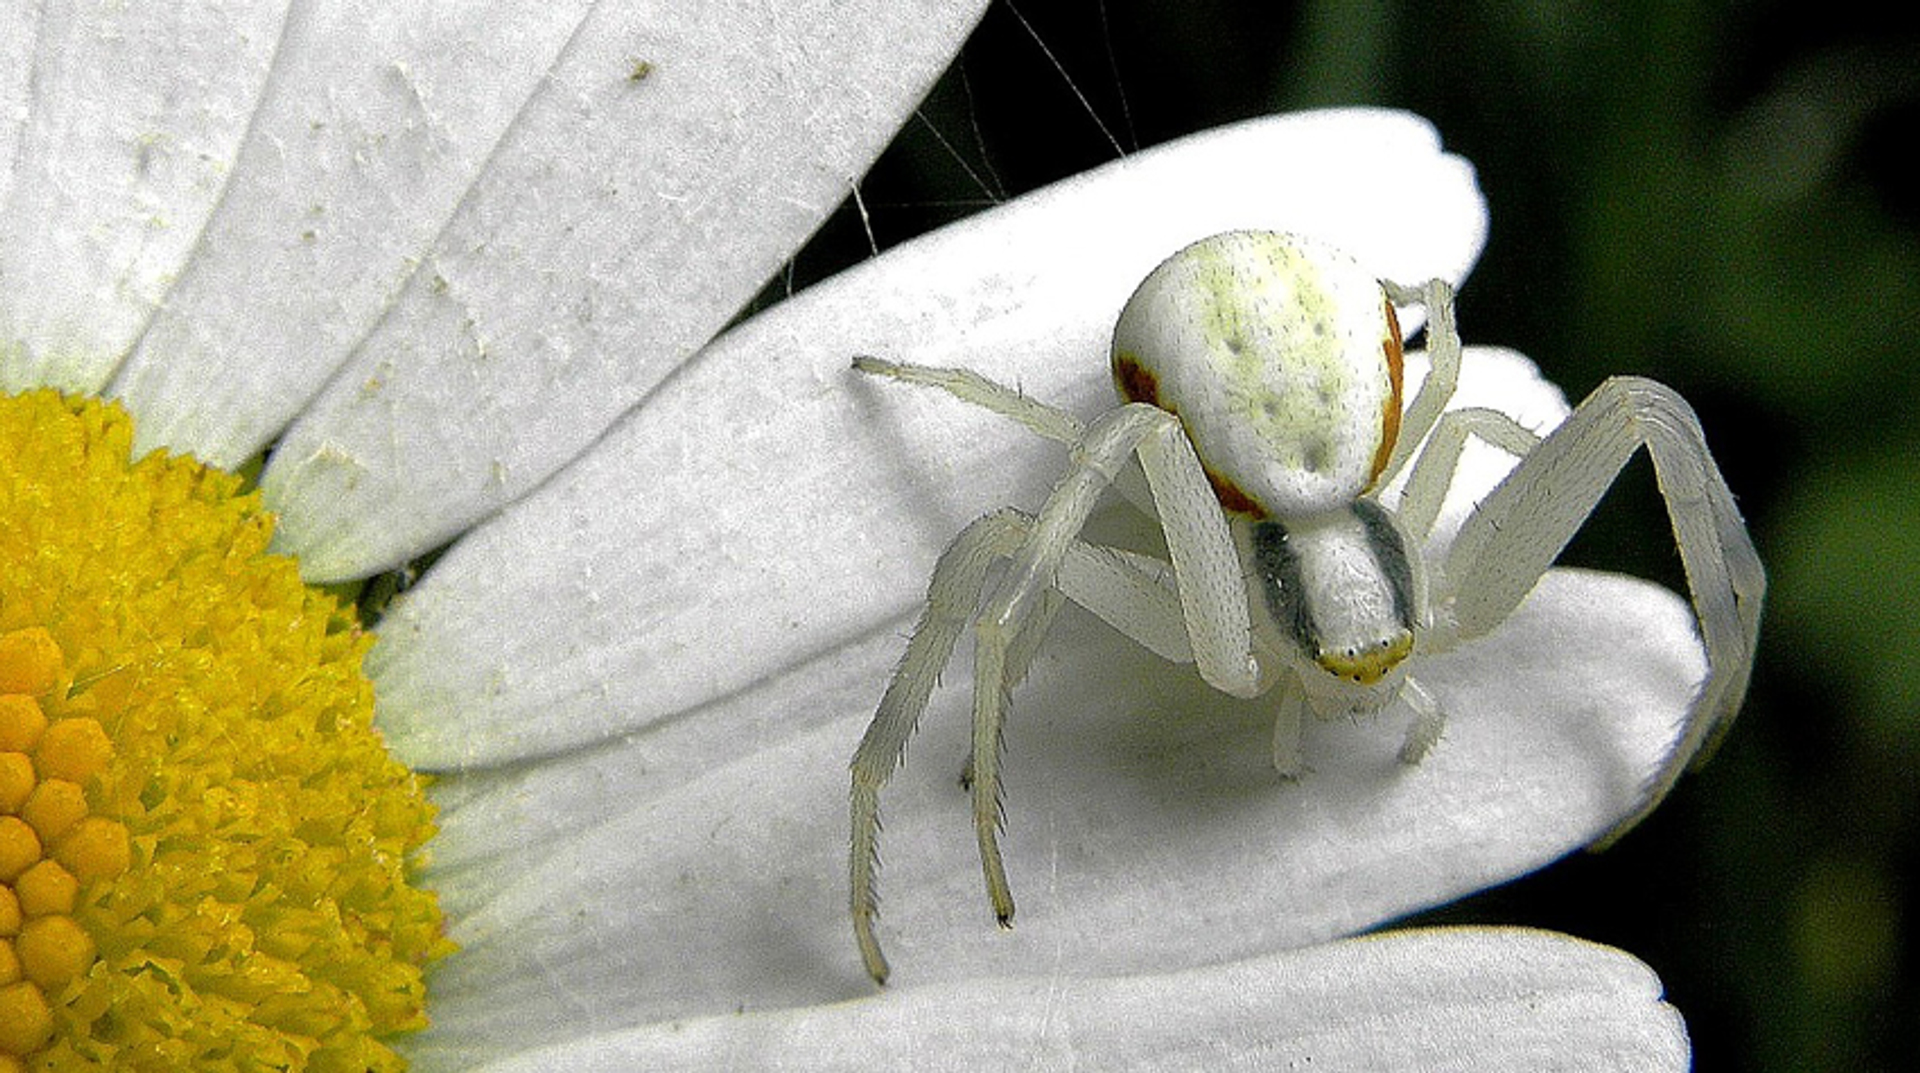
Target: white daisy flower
[{"x": 466, "y": 271}]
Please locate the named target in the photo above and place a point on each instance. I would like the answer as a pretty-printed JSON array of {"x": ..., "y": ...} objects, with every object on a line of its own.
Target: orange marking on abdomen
[
  {"x": 1232, "y": 499},
  {"x": 1134, "y": 382},
  {"x": 1390, "y": 409},
  {"x": 1137, "y": 384}
]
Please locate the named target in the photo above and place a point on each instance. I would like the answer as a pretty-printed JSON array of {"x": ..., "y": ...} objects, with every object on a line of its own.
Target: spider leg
[
  {"x": 1034, "y": 568},
  {"x": 1443, "y": 351},
  {"x": 1211, "y": 590},
  {"x": 1428, "y": 722},
  {"x": 1521, "y": 527},
  {"x": 1026, "y": 645},
  {"x": 1134, "y": 593},
  {"x": 951, "y": 597},
  {"x": 1426, "y": 489},
  {"x": 1289, "y": 732},
  {"x": 1207, "y": 562},
  {"x": 966, "y": 385},
  {"x": 1431, "y": 475}
]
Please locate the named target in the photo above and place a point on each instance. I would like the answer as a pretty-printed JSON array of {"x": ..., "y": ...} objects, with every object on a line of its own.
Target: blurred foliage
[{"x": 1706, "y": 193}]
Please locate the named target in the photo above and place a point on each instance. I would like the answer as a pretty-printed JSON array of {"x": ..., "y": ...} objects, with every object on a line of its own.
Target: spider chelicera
[{"x": 1260, "y": 375}]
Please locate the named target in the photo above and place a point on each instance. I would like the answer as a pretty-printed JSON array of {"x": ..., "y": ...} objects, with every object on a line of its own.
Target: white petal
[
  {"x": 377, "y": 120},
  {"x": 122, "y": 122},
  {"x": 701, "y": 867},
  {"x": 1434, "y": 1001},
  {"x": 618, "y": 225},
  {"x": 17, "y": 39},
  {"x": 768, "y": 503}
]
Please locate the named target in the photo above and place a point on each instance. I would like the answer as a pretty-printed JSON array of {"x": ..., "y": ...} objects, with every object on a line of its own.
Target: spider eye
[{"x": 1365, "y": 665}]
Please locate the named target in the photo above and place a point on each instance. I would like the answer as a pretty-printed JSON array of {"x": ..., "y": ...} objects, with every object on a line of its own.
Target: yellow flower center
[{"x": 204, "y": 845}]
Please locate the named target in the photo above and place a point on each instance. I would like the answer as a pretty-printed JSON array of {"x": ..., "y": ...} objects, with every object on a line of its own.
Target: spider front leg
[
  {"x": 1443, "y": 370},
  {"x": 1206, "y": 565},
  {"x": 1202, "y": 618},
  {"x": 1131, "y": 592},
  {"x": 1522, "y": 526},
  {"x": 958, "y": 579}
]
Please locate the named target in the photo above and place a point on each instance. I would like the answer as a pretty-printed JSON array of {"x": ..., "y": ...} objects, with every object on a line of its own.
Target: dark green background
[{"x": 1702, "y": 193}]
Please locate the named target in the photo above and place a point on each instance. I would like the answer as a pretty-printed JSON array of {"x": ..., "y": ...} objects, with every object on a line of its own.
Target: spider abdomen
[{"x": 1281, "y": 357}]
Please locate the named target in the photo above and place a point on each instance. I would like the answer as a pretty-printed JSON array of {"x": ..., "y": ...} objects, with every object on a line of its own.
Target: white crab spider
[{"x": 1261, "y": 379}]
